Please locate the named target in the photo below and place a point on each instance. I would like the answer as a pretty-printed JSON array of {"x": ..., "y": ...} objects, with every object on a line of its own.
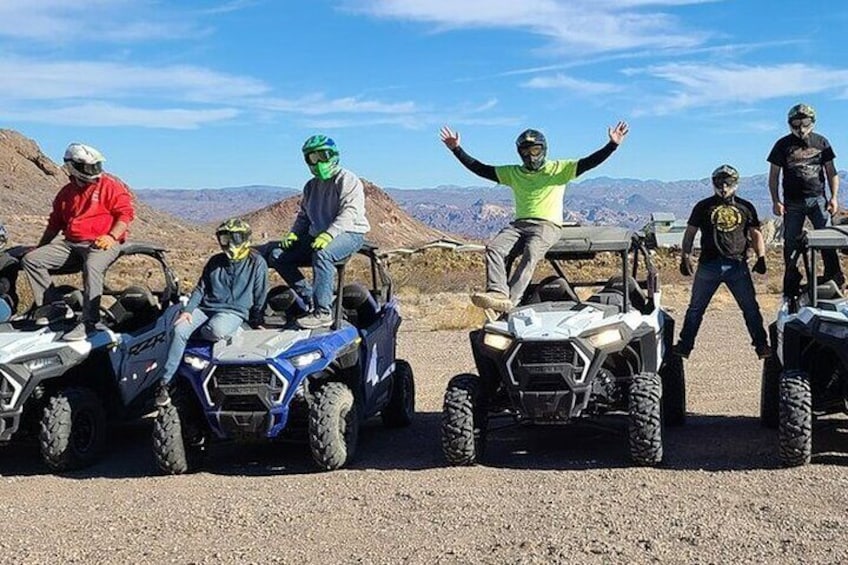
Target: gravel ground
[{"x": 543, "y": 495}]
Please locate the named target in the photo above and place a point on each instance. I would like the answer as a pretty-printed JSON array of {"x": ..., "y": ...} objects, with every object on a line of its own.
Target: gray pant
[
  {"x": 531, "y": 238},
  {"x": 71, "y": 256}
]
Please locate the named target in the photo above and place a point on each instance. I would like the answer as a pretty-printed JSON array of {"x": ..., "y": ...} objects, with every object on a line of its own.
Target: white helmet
[{"x": 84, "y": 162}]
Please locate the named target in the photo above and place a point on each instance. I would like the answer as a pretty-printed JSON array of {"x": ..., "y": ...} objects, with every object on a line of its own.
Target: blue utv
[{"x": 284, "y": 382}]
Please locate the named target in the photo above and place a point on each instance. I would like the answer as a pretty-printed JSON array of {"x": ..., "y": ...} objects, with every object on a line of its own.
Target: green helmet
[
  {"x": 234, "y": 238},
  {"x": 322, "y": 156},
  {"x": 801, "y": 111}
]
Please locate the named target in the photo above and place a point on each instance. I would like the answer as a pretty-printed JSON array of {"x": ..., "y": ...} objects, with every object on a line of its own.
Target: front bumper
[
  {"x": 245, "y": 401},
  {"x": 547, "y": 381}
]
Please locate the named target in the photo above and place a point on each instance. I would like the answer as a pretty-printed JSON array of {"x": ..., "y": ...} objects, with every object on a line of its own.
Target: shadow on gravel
[{"x": 706, "y": 442}]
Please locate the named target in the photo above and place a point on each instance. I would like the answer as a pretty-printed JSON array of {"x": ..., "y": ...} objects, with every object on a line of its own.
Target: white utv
[
  {"x": 808, "y": 376},
  {"x": 558, "y": 358}
]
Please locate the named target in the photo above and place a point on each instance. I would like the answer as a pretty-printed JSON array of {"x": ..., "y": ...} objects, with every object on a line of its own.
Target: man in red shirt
[{"x": 93, "y": 211}]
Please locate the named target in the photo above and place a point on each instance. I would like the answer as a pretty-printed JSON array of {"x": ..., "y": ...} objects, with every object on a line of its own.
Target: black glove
[
  {"x": 686, "y": 265},
  {"x": 760, "y": 266}
]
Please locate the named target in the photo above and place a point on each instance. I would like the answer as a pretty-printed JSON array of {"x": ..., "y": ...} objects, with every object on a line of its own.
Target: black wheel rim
[{"x": 84, "y": 431}]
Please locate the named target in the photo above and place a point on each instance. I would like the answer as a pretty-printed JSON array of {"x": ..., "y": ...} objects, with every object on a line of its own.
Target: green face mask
[{"x": 325, "y": 171}]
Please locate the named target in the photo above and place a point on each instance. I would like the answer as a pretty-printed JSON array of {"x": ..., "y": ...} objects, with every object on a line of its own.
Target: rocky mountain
[
  {"x": 479, "y": 212},
  {"x": 209, "y": 205},
  {"x": 29, "y": 181},
  {"x": 390, "y": 225}
]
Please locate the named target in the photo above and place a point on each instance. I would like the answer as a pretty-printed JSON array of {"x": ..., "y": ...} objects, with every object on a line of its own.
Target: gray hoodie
[{"x": 334, "y": 206}]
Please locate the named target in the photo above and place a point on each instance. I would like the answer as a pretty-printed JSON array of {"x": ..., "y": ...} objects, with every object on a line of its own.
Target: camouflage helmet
[
  {"x": 801, "y": 111},
  {"x": 234, "y": 238},
  {"x": 725, "y": 171}
]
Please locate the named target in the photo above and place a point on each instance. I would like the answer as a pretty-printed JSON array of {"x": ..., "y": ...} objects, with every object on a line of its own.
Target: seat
[
  {"x": 550, "y": 289},
  {"x": 612, "y": 293},
  {"x": 283, "y": 301},
  {"x": 360, "y": 307},
  {"x": 135, "y": 307}
]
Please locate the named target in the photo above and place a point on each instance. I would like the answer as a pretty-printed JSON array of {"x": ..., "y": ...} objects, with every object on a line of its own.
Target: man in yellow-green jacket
[{"x": 538, "y": 185}]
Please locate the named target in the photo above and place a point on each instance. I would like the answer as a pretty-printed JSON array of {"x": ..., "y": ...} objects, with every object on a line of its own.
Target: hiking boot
[
  {"x": 492, "y": 299},
  {"x": 315, "y": 320},
  {"x": 49, "y": 313},
  {"x": 163, "y": 395},
  {"x": 681, "y": 351},
  {"x": 763, "y": 351},
  {"x": 77, "y": 333}
]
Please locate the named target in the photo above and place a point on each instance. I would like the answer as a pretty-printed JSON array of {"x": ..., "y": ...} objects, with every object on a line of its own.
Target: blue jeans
[
  {"x": 320, "y": 293},
  {"x": 219, "y": 326},
  {"x": 814, "y": 208},
  {"x": 708, "y": 277}
]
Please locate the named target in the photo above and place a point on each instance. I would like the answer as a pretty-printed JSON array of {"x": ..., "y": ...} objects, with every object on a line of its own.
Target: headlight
[
  {"x": 497, "y": 341},
  {"x": 605, "y": 337},
  {"x": 195, "y": 362},
  {"x": 34, "y": 365},
  {"x": 304, "y": 359}
]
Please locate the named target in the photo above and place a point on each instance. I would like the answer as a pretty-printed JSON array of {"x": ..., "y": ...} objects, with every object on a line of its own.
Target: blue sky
[{"x": 195, "y": 94}]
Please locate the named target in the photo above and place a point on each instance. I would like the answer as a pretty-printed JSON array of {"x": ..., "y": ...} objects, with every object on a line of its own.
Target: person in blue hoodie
[
  {"x": 330, "y": 227},
  {"x": 232, "y": 290}
]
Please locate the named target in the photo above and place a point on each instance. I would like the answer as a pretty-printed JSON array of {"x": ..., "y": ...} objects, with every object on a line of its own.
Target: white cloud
[
  {"x": 60, "y": 21},
  {"x": 585, "y": 25},
  {"x": 29, "y": 79},
  {"x": 565, "y": 82},
  {"x": 102, "y": 114},
  {"x": 318, "y": 104},
  {"x": 700, "y": 85}
]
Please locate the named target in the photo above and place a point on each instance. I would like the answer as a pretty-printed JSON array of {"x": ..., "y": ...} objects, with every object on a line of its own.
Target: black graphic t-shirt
[
  {"x": 802, "y": 161},
  {"x": 724, "y": 227}
]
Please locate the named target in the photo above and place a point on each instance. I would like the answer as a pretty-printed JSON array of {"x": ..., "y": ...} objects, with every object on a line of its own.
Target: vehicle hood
[
  {"x": 548, "y": 321},
  {"x": 26, "y": 344},
  {"x": 251, "y": 346}
]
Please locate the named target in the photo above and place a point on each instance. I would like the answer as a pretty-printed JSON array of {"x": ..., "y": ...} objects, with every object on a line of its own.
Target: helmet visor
[
  {"x": 721, "y": 181},
  {"x": 319, "y": 156},
  {"x": 226, "y": 238},
  {"x": 531, "y": 151},
  {"x": 88, "y": 169},
  {"x": 801, "y": 122}
]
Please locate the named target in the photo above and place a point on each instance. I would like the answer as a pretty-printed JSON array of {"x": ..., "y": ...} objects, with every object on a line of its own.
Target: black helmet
[{"x": 532, "y": 148}]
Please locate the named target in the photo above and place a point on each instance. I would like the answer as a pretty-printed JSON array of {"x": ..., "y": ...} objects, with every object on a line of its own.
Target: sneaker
[
  {"x": 492, "y": 299},
  {"x": 49, "y": 313},
  {"x": 77, "y": 333},
  {"x": 680, "y": 351},
  {"x": 163, "y": 395},
  {"x": 315, "y": 320},
  {"x": 763, "y": 351}
]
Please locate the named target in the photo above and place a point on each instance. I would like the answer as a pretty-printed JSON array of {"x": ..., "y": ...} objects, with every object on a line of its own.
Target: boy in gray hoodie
[{"x": 330, "y": 227}]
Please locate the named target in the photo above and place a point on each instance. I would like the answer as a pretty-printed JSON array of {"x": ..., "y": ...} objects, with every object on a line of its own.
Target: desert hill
[
  {"x": 390, "y": 225},
  {"x": 29, "y": 180}
]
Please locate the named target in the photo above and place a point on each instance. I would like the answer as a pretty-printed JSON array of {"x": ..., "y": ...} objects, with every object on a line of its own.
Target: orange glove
[{"x": 105, "y": 242}]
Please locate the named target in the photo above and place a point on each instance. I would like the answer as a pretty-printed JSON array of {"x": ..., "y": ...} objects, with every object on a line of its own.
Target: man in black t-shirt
[
  {"x": 726, "y": 223},
  {"x": 806, "y": 160}
]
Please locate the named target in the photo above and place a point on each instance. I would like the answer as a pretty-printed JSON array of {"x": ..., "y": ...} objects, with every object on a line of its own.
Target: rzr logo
[{"x": 148, "y": 343}]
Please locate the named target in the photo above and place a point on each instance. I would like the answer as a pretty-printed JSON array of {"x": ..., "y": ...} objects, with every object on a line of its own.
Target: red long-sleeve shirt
[{"x": 84, "y": 214}]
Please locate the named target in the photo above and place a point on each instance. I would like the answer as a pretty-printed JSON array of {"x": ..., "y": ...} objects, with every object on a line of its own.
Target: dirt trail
[{"x": 543, "y": 495}]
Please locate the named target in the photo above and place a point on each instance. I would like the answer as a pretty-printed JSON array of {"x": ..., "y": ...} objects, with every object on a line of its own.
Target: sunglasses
[
  {"x": 320, "y": 156},
  {"x": 531, "y": 151},
  {"x": 231, "y": 238},
  {"x": 798, "y": 122}
]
